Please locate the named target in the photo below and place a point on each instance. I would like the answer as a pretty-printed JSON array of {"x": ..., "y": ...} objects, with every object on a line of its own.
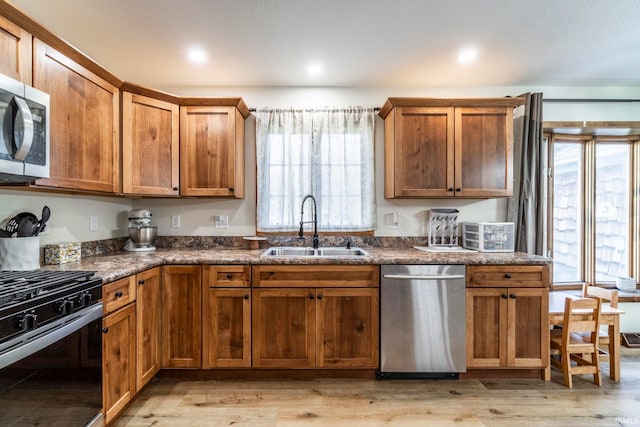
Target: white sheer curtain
[{"x": 327, "y": 153}]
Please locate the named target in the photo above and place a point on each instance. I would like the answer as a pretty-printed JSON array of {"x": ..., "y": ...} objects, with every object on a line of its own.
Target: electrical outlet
[
  {"x": 175, "y": 221},
  {"x": 221, "y": 221},
  {"x": 393, "y": 220},
  {"x": 93, "y": 223}
]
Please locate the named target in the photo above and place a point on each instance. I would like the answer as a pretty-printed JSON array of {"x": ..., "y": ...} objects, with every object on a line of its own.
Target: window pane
[
  {"x": 612, "y": 211},
  {"x": 567, "y": 209}
]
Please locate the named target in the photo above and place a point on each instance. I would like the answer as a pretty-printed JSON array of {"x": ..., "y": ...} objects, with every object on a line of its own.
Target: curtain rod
[
  {"x": 588, "y": 100},
  {"x": 253, "y": 110}
]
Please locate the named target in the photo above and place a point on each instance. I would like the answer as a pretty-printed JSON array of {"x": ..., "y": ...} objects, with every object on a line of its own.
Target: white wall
[{"x": 70, "y": 213}]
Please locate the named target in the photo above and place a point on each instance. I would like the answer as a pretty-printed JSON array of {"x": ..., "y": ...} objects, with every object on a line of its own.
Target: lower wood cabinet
[
  {"x": 334, "y": 326},
  {"x": 118, "y": 360},
  {"x": 148, "y": 331},
  {"x": 181, "y": 316},
  {"x": 226, "y": 316},
  {"x": 507, "y": 316}
]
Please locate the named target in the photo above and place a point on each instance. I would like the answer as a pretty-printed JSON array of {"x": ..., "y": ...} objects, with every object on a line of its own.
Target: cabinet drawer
[
  {"x": 326, "y": 276},
  {"x": 226, "y": 276},
  {"x": 119, "y": 293},
  {"x": 527, "y": 276}
]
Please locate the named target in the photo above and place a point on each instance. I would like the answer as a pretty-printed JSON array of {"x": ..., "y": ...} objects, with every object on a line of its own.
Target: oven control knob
[
  {"x": 84, "y": 299},
  {"x": 64, "y": 306},
  {"x": 27, "y": 322}
]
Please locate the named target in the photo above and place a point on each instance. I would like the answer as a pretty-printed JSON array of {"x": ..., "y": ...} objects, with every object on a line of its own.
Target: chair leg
[{"x": 566, "y": 365}]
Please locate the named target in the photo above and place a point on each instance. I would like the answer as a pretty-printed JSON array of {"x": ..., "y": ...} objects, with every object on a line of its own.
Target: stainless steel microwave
[{"x": 24, "y": 136}]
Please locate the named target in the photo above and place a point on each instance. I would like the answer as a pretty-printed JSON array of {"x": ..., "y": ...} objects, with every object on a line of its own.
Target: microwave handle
[{"x": 24, "y": 123}]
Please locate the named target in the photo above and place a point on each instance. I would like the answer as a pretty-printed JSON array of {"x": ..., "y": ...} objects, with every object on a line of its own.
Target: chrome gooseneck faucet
[{"x": 316, "y": 241}]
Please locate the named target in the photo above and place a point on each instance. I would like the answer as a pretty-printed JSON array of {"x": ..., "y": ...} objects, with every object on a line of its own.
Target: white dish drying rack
[{"x": 442, "y": 228}]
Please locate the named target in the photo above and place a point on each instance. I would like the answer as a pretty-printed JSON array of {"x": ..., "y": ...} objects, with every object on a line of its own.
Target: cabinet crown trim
[{"x": 448, "y": 102}]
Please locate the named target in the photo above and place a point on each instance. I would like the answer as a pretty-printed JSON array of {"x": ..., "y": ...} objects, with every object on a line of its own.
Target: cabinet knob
[
  {"x": 175, "y": 188},
  {"x": 450, "y": 189},
  {"x": 246, "y": 296},
  {"x": 118, "y": 294},
  {"x": 310, "y": 296},
  {"x": 512, "y": 296},
  {"x": 229, "y": 276},
  {"x": 504, "y": 296},
  {"x": 319, "y": 296},
  {"x": 231, "y": 190},
  {"x": 141, "y": 282},
  {"x": 105, "y": 330},
  {"x": 507, "y": 276},
  {"x": 458, "y": 189}
]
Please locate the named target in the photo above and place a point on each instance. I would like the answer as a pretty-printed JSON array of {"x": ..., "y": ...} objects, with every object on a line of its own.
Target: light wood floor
[{"x": 357, "y": 402}]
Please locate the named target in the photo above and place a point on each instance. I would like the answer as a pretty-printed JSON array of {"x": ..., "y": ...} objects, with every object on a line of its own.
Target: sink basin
[{"x": 329, "y": 252}]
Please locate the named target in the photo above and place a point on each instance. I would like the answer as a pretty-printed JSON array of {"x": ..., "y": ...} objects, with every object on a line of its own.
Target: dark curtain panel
[{"x": 527, "y": 208}]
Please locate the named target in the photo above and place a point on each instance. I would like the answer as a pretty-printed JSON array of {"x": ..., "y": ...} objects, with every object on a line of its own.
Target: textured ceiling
[{"x": 381, "y": 43}]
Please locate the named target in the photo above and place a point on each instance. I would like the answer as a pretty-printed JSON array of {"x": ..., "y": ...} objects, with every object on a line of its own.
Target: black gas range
[
  {"x": 50, "y": 340},
  {"x": 33, "y": 299}
]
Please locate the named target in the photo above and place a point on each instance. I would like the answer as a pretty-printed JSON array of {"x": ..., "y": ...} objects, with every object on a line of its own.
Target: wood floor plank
[{"x": 365, "y": 402}]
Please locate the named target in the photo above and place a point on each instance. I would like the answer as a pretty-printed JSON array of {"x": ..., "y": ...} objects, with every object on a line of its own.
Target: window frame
[{"x": 589, "y": 137}]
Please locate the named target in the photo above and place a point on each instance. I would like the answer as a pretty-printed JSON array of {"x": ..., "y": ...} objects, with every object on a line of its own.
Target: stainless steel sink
[{"x": 329, "y": 252}]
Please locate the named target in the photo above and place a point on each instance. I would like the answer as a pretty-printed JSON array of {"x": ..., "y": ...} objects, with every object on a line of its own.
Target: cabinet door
[
  {"x": 487, "y": 327},
  {"x": 420, "y": 154},
  {"x": 484, "y": 151},
  {"x": 226, "y": 338},
  {"x": 118, "y": 360},
  {"x": 150, "y": 144},
  {"x": 528, "y": 328},
  {"x": 148, "y": 325},
  {"x": 181, "y": 316},
  {"x": 283, "y": 328},
  {"x": 15, "y": 51},
  {"x": 85, "y": 152},
  {"x": 211, "y": 152},
  {"x": 347, "y": 328}
]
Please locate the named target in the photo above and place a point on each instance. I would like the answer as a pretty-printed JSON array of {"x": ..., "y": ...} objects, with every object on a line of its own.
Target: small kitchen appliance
[{"x": 141, "y": 233}]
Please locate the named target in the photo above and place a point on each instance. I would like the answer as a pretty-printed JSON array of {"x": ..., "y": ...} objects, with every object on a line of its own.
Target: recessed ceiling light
[
  {"x": 197, "y": 56},
  {"x": 467, "y": 55},
  {"x": 314, "y": 69}
]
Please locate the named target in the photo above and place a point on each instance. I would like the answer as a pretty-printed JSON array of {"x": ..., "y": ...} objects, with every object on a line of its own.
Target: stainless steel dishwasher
[{"x": 422, "y": 321}]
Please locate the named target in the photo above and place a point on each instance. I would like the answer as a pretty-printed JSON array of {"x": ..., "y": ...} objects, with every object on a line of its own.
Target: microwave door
[{"x": 37, "y": 162}]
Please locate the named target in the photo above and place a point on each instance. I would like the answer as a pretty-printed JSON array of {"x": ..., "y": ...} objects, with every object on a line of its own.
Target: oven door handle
[
  {"x": 423, "y": 277},
  {"x": 27, "y": 344}
]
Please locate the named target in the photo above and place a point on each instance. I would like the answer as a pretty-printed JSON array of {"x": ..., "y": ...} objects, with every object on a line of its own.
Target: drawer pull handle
[
  {"x": 229, "y": 276},
  {"x": 118, "y": 294},
  {"x": 507, "y": 276}
]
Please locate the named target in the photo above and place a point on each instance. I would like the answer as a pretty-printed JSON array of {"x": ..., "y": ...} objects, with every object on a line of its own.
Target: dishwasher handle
[{"x": 423, "y": 277}]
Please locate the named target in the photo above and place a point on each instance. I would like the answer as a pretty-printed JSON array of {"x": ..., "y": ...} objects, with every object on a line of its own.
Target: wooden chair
[
  {"x": 610, "y": 296},
  {"x": 577, "y": 341}
]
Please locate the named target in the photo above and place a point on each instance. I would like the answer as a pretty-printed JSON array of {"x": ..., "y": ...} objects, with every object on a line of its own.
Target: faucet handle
[{"x": 348, "y": 243}]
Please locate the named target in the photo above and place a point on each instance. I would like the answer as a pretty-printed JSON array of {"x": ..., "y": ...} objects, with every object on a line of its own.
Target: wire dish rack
[{"x": 442, "y": 227}]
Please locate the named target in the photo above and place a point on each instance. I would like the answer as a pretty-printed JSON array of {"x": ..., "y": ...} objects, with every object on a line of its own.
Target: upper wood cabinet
[
  {"x": 85, "y": 152},
  {"x": 212, "y": 151},
  {"x": 448, "y": 147},
  {"x": 15, "y": 51},
  {"x": 150, "y": 146}
]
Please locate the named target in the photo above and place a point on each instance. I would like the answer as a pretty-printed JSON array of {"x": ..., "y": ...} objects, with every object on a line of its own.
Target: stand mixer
[{"x": 141, "y": 233}]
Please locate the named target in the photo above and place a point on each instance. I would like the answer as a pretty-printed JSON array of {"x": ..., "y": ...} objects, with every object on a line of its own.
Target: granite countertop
[{"x": 122, "y": 264}]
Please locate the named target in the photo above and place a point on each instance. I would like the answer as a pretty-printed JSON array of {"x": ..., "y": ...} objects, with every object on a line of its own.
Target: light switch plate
[
  {"x": 93, "y": 223},
  {"x": 175, "y": 221},
  {"x": 393, "y": 220}
]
